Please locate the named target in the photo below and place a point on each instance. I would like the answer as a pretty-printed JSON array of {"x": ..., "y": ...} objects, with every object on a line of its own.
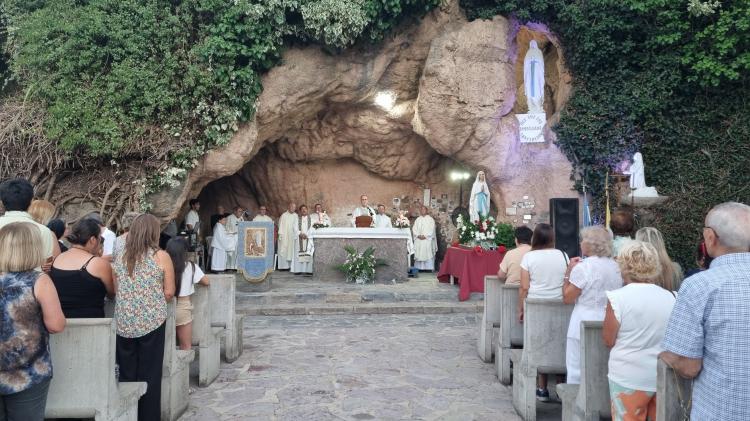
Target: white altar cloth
[{"x": 351, "y": 232}]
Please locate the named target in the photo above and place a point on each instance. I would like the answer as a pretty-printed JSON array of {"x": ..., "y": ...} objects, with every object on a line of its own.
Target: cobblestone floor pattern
[{"x": 356, "y": 367}]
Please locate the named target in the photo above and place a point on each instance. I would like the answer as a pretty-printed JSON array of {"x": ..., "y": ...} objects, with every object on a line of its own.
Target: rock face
[{"x": 319, "y": 136}]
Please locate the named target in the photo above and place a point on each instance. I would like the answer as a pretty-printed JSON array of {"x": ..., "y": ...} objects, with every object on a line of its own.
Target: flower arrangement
[
  {"x": 359, "y": 267},
  {"x": 485, "y": 233},
  {"x": 402, "y": 221},
  {"x": 324, "y": 221}
]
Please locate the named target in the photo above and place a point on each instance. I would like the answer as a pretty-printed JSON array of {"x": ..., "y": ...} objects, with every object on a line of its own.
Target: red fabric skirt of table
[{"x": 469, "y": 267}]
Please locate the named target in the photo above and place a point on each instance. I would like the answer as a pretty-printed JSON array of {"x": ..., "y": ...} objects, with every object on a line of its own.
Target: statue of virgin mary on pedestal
[{"x": 479, "y": 202}]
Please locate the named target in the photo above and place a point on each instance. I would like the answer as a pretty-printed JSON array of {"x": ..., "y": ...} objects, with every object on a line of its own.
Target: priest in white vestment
[
  {"x": 425, "y": 241},
  {"x": 320, "y": 216},
  {"x": 303, "y": 245},
  {"x": 233, "y": 228},
  {"x": 262, "y": 215},
  {"x": 222, "y": 245},
  {"x": 287, "y": 221},
  {"x": 381, "y": 219},
  {"x": 363, "y": 210}
]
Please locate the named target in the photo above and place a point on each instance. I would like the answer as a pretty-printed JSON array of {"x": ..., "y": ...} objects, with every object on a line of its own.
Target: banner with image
[{"x": 255, "y": 250}]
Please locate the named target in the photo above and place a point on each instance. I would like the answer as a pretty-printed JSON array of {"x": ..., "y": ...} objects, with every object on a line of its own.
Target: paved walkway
[{"x": 356, "y": 367}]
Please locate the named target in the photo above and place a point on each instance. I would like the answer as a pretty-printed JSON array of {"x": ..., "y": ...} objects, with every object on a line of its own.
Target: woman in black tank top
[{"x": 81, "y": 278}]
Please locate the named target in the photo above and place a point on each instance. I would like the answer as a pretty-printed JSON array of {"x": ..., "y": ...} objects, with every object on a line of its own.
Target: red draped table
[{"x": 469, "y": 267}]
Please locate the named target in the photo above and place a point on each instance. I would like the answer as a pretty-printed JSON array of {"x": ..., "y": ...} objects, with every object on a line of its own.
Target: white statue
[
  {"x": 638, "y": 186},
  {"x": 533, "y": 78},
  {"x": 479, "y": 202}
]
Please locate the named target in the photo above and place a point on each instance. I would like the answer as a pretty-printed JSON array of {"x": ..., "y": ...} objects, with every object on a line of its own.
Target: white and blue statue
[
  {"x": 479, "y": 202},
  {"x": 638, "y": 187}
]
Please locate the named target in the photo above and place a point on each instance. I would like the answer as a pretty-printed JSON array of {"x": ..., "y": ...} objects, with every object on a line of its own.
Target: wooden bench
[
  {"x": 223, "y": 312},
  {"x": 84, "y": 383},
  {"x": 589, "y": 400},
  {"x": 673, "y": 394},
  {"x": 510, "y": 333},
  {"x": 545, "y": 331},
  {"x": 206, "y": 338},
  {"x": 487, "y": 339}
]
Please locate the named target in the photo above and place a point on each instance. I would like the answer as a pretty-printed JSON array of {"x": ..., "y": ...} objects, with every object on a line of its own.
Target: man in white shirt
[
  {"x": 109, "y": 236},
  {"x": 16, "y": 195},
  {"x": 262, "y": 215},
  {"x": 363, "y": 210},
  {"x": 233, "y": 220},
  {"x": 192, "y": 220},
  {"x": 381, "y": 219},
  {"x": 425, "y": 241},
  {"x": 320, "y": 216}
]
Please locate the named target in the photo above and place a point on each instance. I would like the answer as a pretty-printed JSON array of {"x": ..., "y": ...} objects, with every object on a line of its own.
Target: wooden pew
[
  {"x": 223, "y": 312},
  {"x": 84, "y": 383},
  {"x": 510, "y": 331},
  {"x": 487, "y": 339},
  {"x": 673, "y": 394},
  {"x": 545, "y": 331},
  {"x": 206, "y": 338},
  {"x": 589, "y": 400},
  {"x": 175, "y": 376}
]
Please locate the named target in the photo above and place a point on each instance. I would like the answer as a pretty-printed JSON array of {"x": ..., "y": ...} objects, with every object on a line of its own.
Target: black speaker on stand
[{"x": 563, "y": 216}]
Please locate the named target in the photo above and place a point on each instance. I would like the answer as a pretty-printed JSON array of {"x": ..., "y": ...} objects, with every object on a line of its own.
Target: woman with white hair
[
  {"x": 671, "y": 272},
  {"x": 479, "y": 202},
  {"x": 585, "y": 284},
  {"x": 634, "y": 325}
]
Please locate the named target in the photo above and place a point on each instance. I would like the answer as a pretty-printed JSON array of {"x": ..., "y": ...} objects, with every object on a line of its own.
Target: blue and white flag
[{"x": 255, "y": 250}]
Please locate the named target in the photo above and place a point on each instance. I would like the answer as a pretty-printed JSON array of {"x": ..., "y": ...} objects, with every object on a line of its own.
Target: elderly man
[
  {"x": 287, "y": 221},
  {"x": 262, "y": 215},
  {"x": 425, "y": 241},
  {"x": 708, "y": 337},
  {"x": 363, "y": 210},
  {"x": 381, "y": 219}
]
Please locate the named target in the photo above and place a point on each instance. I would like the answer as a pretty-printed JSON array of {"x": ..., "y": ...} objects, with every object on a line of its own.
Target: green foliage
[
  {"x": 668, "y": 78},
  {"x": 485, "y": 232},
  {"x": 4, "y": 59},
  {"x": 109, "y": 70},
  {"x": 360, "y": 267}
]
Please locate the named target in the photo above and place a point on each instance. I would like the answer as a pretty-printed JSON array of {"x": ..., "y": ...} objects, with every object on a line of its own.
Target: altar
[{"x": 390, "y": 245}]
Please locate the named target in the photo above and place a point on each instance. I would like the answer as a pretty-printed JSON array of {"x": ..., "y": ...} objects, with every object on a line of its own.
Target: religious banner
[
  {"x": 531, "y": 127},
  {"x": 255, "y": 250}
]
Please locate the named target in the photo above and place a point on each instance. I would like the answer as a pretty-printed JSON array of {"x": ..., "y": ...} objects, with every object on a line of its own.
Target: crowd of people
[
  {"x": 697, "y": 325},
  {"x": 45, "y": 282}
]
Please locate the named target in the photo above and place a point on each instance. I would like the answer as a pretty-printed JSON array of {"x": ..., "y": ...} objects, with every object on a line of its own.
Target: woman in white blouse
[
  {"x": 585, "y": 285},
  {"x": 542, "y": 272},
  {"x": 634, "y": 325}
]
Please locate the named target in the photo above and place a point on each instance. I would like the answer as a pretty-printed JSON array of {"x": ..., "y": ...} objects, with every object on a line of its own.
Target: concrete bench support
[
  {"x": 672, "y": 394},
  {"x": 591, "y": 399},
  {"x": 84, "y": 384},
  {"x": 545, "y": 331},
  {"x": 510, "y": 333},
  {"x": 223, "y": 311},
  {"x": 206, "y": 338},
  {"x": 175, "y": 377},
  {"x": 487, "y": 340}
]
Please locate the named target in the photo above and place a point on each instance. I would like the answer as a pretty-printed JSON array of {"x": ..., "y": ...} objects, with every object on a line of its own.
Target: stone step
[
  {"x": 434, "y": 307},
  {"x": 327, "y": 297}
]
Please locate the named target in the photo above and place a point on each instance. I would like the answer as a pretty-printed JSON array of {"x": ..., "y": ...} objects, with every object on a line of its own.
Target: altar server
[
  {"x": 287, "y": 221},
  {"x": 262, "y": 215},
  {"x": 320, "y": 216},
  {"x": 303, "y": 246},
  {"x": 381, "y": 219},
  {"x": 223, "y": 245},
  {"x": 425, "y": 241}
]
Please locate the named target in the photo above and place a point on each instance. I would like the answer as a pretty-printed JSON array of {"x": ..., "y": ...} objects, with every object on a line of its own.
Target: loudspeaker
[{"x": 563, "y": 216}]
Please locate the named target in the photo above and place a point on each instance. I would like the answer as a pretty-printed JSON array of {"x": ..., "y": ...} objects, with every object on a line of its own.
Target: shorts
[
  {"x": 183, "y": 313},
  {"x": 630, "y": 404}
]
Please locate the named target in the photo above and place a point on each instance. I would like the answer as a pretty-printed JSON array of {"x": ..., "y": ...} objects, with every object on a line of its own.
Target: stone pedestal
[{"x": 390, "y": 244}]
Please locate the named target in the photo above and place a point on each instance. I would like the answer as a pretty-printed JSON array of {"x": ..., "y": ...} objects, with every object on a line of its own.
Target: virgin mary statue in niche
[{"x": 479, "y": 202}]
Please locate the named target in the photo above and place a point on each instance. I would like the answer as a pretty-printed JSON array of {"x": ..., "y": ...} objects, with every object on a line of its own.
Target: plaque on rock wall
[
  {"x": 531, "y": 127},
  {"x": 255, "y": 250}
]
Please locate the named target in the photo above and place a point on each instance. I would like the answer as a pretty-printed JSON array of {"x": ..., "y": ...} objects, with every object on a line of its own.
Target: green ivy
[
  {"x": 107, "y": 70},
  {"x": 669, "y": 78}
]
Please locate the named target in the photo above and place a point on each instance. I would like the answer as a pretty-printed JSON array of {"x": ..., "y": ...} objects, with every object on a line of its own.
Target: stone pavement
[
  {"x": 357, "y": 367},
  {"x": 300, "y": 295}
]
